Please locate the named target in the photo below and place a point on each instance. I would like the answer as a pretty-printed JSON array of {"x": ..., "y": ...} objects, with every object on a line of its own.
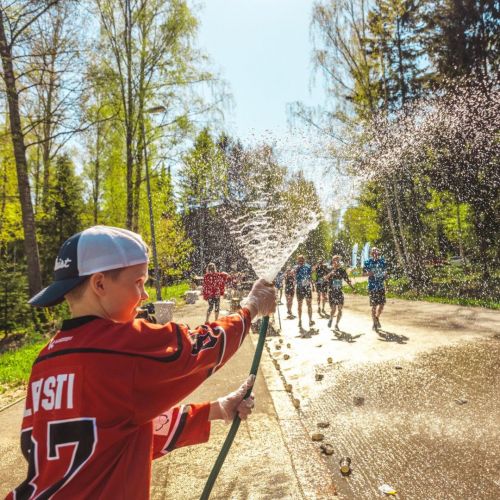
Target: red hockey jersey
[
  {"x": 102, "y": 398},
  {"x": 214, "y": 285}
]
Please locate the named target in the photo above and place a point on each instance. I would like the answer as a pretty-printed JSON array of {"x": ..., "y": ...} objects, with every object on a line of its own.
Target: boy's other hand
[
  {"x": 262, "y": 298},
  {"x": 233, "y": 403}
]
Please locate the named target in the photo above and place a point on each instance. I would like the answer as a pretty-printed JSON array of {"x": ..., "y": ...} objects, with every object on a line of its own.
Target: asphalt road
[{"x": 418, "y": 410}]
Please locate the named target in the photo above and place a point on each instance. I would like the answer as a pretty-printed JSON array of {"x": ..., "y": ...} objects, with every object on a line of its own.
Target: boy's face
[
  {"x": 301, "y": 261},
  {"x": 125, "y": 293},
  {"x": 335, "y": 263}
]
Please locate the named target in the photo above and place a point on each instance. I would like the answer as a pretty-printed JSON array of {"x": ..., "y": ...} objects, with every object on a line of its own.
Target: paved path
[{"x": 429, "y": 419}]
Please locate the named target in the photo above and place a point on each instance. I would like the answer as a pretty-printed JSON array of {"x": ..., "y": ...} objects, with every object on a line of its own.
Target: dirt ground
[{"x": 418, "y": 409}]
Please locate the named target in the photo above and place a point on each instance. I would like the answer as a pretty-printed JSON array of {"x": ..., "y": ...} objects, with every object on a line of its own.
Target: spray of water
[{"x": 267, "y": 234}]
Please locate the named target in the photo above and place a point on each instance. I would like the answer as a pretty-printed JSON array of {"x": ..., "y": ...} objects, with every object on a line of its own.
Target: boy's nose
[{"x": 145, "y": 295}]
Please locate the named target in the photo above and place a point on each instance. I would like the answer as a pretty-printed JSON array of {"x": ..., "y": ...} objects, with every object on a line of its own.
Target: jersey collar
[{"x": 68, "y": 324}]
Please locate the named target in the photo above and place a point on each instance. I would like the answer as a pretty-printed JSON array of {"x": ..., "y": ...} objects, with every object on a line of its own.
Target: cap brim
[{"x": 54, "y": 293}]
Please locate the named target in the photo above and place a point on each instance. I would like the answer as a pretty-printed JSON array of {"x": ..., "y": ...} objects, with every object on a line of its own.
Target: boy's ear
[{"x": 97, "y": 283}]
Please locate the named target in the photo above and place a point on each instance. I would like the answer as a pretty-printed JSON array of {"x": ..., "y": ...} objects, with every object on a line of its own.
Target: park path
[
  {"x": 428, "y": 424},
  {"x": 418, "y": 409}
]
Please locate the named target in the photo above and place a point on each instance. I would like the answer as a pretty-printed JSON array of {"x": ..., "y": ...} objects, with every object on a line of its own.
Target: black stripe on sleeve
[{"x": 180, "y": 428}]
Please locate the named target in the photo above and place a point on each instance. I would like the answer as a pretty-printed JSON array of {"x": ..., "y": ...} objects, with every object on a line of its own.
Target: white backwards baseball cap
[{"x": 97, "y": 249}]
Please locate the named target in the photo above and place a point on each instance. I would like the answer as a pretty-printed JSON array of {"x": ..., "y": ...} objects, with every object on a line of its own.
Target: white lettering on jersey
[
  {"x": 48, "y": 391},
  {"x": 36, "y": 388},
  {"x": 53, "y": 392}
]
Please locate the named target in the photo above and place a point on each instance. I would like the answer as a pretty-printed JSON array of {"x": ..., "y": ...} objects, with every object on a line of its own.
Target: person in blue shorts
[
  {"x": 303, "y": 279},
  {"x": 334, "y": 280},
  {"x": 375, "y": 269}
]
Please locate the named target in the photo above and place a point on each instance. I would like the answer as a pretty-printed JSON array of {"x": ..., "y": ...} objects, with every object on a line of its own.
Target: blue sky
[{"x": 262, "y": 49}]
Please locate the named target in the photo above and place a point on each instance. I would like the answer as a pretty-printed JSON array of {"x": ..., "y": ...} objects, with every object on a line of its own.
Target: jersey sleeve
[
  {"x": 184, "y": 425},
  {"x": 174, "y": 360}
]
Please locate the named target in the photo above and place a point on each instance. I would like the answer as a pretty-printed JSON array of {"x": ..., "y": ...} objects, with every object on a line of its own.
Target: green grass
[
  {"x": 443, "y": 290},
  {"x": 15, "y": 366},
  {"x": 170, "y": 292}
]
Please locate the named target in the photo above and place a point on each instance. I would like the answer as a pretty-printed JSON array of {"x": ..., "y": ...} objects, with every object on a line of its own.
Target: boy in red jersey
[
  {"x": 214, "y": 285},
  {"x": 103, "y": 394}
]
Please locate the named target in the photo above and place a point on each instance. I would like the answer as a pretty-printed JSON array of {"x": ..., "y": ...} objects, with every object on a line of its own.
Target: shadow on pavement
[
  {"x": 392, "y": 337},
  {"x": 345, "y": 336}
]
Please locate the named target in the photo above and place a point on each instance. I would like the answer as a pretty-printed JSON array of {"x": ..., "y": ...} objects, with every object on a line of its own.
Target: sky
[{"x": 262, "y": 49}]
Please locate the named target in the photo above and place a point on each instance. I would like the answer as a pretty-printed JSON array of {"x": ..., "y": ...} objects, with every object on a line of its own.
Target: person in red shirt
[
  {"x": 103, "y": 395},
  {"x": 214, "y": 284}
]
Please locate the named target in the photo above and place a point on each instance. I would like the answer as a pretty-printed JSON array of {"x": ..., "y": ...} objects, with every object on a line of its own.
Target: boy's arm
[
  {"x": 348, "y": 281},
  {"x": 178, "y": 360},
  {"x": 170, "y": 361},
  {"x": 184, "y": 425},
  {"x": 190, "y": 424},
  {"x": 367, "y": 270}
]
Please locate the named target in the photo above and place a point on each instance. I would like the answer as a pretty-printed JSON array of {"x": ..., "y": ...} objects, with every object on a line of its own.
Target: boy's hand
[
  {"x": 234, "y": 403},
  {"x": 262, "y": 298}
]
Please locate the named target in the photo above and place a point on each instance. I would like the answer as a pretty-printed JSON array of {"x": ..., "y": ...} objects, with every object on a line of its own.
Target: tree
[
  {"x": 148, "y": 59},
  {"x": 63, "y": 215},
  {"x": 173, "y": 245},
  {"x": 15, "y": 23},
  {"x": 462, "y": 39}
]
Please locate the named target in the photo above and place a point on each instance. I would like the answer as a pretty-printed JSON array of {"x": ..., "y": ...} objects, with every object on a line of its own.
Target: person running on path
[
  {"x": 213, "y": 289},
  {"x": 335, "y": 295},
  {"x": 278, "y": 284},
  {"x": 303, "y": 278},
  {"x": 321, "y": 285},
  {"x": 289, "y": 291},
  {"x": 375, "y": 269},
  {"x": 103, "y": 398}
]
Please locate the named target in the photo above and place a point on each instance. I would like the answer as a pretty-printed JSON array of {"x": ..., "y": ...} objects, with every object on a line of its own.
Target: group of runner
[{"x": 300, "y": 280}]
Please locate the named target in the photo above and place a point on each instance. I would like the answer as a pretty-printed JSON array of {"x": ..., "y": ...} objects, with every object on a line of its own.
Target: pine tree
[{"x": 63, "y": 215}]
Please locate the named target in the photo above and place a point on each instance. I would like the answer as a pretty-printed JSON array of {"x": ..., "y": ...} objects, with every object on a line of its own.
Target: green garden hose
[{"x": 236, "y": 421}]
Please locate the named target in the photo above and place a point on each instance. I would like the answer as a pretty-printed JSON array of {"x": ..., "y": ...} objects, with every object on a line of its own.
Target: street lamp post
[{"x": 157, "y": 109}]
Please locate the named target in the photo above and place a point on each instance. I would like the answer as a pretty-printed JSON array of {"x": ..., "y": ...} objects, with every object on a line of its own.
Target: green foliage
[
  {"x": 360, "y": 225},
  {"x": 14, "y": 309},
  {"x": 15, "y": 366},
  {"x": 449, "y": 285},
  {"x": 202, "y": 176},
  {"x": 62, "y": 214}
]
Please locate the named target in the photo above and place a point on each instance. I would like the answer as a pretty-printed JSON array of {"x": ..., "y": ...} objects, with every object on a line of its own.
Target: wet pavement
[{"x": 418, "y": 410}]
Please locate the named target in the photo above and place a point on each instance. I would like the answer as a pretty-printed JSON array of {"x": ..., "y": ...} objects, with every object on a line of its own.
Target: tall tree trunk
[
  {"x": 399, "y": 216},
  {"x": 46, "y": 144},
  {"x": 129, "y": 114},
  {"x": 402, "y": 78},
  {"x": 397, "y": 246},
  {"x": 460, "y": 232},
  {"x": 30, "y": 243},
  {"x": 97, "y": 173}
]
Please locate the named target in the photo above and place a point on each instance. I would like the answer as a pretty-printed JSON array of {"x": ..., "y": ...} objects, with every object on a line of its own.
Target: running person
[
  {"x": 213, "y": 289},
  {"x": 278, "y": 284},
  {"x": 321, "y": 285},
  {"x": 303, "y": 274},
  {"x": 335, "y": 294},
  {"x": 289, "y": 291},
  {"x": 103, "y": 395},
  {"x": 375, "y": 269}
]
